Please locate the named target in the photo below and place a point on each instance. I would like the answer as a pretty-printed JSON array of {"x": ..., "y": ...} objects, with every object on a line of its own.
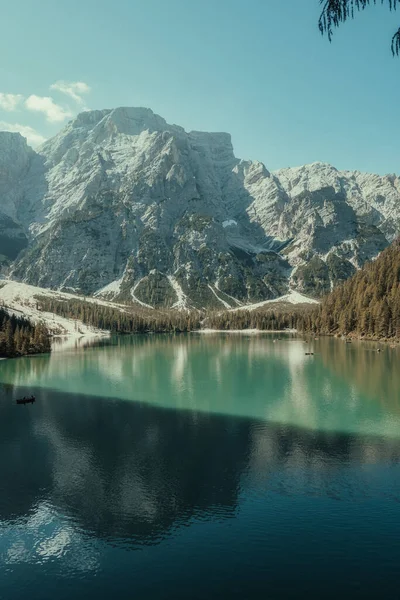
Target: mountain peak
[
  {"x": 89, "y": 118},
  {"x": 12, "y": 139},
  {"x": 134, "y": 120},
  {"x": 123, "y": 120}
]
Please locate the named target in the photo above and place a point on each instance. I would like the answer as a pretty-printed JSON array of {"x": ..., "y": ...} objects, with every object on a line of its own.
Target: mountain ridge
[{"x": 123, "y": 205}]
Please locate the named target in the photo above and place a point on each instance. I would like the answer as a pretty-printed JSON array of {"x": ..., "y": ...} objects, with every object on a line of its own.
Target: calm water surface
[{"x": 201, "y": 466}]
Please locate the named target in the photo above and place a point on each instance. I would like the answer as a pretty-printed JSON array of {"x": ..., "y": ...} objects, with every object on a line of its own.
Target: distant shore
[{"x": 246, "y": 331}]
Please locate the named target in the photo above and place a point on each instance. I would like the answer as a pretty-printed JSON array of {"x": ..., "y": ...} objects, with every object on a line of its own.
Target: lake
[{"x": 201, "y": 466}]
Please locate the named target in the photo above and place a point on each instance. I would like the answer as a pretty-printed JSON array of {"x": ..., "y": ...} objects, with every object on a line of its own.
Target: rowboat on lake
[{"x": 26, "y": 400}]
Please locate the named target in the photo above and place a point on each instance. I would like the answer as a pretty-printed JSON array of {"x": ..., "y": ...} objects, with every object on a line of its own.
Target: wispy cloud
[
  {"x": 33, "y": 137},
  {"x": 54, "y": 113},
  {"x": 9, "y": 102},
  {"x": 73, "y": 89}
]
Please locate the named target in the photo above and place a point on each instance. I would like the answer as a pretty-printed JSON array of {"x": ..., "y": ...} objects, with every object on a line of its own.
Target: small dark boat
[
  {"x": 26, "y": 400},
  {"x": 309, "y": 353}
]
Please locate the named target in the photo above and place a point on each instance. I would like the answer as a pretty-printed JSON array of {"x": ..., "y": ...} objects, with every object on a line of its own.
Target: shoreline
[
  {"x": 245, "y": 331},
  {"x": 393, "y": 342},
  {"x": 78, "y": 336},
  {"x": 358, "y": 338}
]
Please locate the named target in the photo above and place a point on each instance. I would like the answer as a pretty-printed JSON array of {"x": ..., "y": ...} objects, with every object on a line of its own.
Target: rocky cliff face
[
  {"x": 123, "y": 205},
  {"x": 15, "y": 158}
]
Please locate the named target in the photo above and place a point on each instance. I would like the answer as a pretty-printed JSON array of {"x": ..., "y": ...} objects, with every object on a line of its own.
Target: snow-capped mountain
[{"x": 121, "y": 204}]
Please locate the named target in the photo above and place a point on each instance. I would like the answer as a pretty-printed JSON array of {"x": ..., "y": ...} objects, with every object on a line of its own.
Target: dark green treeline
[
  {"x": 265, "y": 319},
  {"x": 124, "y": 320},
  {"x": 366, "y": 305},
  {"x": 18, "y": 336}
]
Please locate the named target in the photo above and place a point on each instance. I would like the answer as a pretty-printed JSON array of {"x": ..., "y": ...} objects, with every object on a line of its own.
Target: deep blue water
[{"x": 105, "y": 498}]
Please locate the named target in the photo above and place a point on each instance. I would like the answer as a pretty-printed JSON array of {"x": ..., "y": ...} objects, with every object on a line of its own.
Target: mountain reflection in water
[
  {"x": 128, "y": 472},
  {"x": 103, "y": 496},
  {"x": 342, "y": 388}
]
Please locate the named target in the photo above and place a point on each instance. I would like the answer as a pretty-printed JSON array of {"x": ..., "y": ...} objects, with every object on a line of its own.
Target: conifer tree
[
  {"x": 17, "y": 335},
  {"x": 335, "y": 12}
]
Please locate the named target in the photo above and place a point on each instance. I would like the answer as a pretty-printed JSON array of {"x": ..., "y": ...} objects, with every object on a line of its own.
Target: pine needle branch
[{"x": 335, "y": 12}]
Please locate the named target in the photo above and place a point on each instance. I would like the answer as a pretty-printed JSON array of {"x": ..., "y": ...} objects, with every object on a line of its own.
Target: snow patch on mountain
[
  {"x": 112, "y": 288},
  {"x": 218, "y": 298},
  {"x": 229, "y": 223},
  {"x": 24, "y": 300},
  {"x": 182, "y": 302},
  {"x": 236, "y": 301},
  {"x": 292, "y": 297},
  {"x": 135, "y": 298}
]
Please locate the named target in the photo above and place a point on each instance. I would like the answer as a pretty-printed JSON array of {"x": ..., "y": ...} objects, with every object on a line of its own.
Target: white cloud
[
  {"x": 54, "y": 112},
  {"x": 73, "y": 89},
  {"x": 33, "y": 137},
  {"x": 10, "y": 102}
]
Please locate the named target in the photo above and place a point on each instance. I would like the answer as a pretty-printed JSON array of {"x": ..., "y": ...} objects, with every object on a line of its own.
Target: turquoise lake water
[{"x": 201, "y": 466}]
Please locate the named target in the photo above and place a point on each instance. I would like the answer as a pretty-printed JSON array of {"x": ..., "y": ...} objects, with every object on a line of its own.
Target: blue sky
[{"x": 258, "y": 69}]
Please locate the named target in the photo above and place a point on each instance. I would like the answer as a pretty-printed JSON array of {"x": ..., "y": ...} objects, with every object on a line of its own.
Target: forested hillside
[
  {"x": 129, "y": 320},
  {"x": 368, "y": 304},
  {"x": 18, "y": 336},
  {"x": 265, "y": 318}
]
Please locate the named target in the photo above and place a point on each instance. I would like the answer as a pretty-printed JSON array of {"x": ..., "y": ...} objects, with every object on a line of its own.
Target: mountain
[{"x": 124, "y": 206}]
